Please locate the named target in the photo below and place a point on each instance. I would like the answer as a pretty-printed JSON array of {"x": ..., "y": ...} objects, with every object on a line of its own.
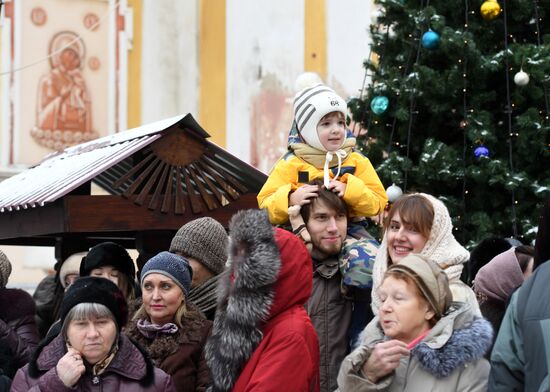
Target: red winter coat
[{"x": 286, "y": 357}]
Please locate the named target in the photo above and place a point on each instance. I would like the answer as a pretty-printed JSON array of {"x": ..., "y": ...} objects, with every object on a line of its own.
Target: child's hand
[
  {"x": 337, "y": 187},
  {"x": 380, "y": 218},
  {"x": 303, "y": 194}
]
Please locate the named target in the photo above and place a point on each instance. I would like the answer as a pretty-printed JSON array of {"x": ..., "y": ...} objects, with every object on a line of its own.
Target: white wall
[
  {"x": 169, "y": 59},
  {"x": 265, "y": 53}
]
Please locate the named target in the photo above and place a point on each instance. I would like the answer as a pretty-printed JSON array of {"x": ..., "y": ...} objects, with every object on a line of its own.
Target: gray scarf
[{"x": 205, "y": 296}]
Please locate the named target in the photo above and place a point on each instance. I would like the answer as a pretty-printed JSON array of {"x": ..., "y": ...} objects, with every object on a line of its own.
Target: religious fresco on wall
[
  {"x": 63, "y": 108},
  {"x": 64, "y": 76}
]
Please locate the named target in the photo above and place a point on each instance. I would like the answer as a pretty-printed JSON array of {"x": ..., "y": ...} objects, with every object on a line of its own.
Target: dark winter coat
[
  {"x": 181, "y": 355},
  {"x": 131, "y": 370},
  {"x": 449, "y": 358},
  {"x": 263, "y": 339},
  {"x": 519, "y": 360},
  {"x": 47, "y": 297},
  {"x": 18, "y": 333},
  {"x": 330, "y": 314}
]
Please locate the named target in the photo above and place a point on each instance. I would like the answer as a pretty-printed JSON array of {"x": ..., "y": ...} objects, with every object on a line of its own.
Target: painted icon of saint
[{"x": 64, "y": 115}]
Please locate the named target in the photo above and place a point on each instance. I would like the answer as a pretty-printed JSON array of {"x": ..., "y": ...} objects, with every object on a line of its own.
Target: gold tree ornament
[{"x": 490, "y": 9}]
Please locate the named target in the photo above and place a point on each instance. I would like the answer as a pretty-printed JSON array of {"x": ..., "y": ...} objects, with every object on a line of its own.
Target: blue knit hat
[{"x": 171, "y": 265}]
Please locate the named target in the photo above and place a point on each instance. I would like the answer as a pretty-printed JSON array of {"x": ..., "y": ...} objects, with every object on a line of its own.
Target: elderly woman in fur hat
[
  {"x": 172, "y": 329},
  {"x": 90, "y": 353},
  {"x": 419, "y": 341},
  {"x": 420, "y": 223}
]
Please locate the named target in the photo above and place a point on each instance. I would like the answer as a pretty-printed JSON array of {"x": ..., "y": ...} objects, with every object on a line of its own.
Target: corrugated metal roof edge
[{"x": 120, "y": 137}]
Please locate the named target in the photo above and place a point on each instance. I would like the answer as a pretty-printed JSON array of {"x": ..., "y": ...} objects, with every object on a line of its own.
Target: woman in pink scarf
[{"x": 496, "y": 281}]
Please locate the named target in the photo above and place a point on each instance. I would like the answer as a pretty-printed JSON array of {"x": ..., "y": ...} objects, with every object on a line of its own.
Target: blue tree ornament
[
  {"x": 379, "y": 104},
  {"x": 430, "y": 40},
  {"x": 481, "y": 151}
]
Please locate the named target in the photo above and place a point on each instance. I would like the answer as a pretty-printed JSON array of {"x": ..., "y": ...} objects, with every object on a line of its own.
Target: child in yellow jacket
[{"x": 320, "y": 147}]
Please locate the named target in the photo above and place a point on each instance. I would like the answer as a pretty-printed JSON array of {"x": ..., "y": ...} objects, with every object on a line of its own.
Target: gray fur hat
[
  {"x": 205, "y": 240},
  {"x": 5, "y": 269}
]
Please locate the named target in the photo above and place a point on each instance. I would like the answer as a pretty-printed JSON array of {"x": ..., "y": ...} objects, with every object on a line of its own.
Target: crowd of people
[{"x": 297, "y": 296}]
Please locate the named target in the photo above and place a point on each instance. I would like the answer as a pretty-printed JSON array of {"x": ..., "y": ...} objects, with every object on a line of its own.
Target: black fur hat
[
  {"x": 108, "y": 253},
  {"x": 484, "y": 252},
  {"x": 96, "y": 290}
]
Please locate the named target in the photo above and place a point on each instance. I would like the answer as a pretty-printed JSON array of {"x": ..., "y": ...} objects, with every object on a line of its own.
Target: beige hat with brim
[{"x": 430, "y": 280}]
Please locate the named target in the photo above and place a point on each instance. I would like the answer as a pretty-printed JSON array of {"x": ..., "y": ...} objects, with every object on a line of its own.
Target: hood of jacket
[
  {"x": 270, "y": 271},
  {"x": 460, "y": 337},
  {"x": 131, "y": 361},
  {"x": 25, "y": 304}
]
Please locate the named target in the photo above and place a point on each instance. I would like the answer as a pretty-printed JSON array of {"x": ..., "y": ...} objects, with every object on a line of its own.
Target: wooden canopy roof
[{"x": 157, "y": 178}]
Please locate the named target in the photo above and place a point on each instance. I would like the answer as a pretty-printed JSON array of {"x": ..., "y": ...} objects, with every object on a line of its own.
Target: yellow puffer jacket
[{"x": 364, "y": 196}]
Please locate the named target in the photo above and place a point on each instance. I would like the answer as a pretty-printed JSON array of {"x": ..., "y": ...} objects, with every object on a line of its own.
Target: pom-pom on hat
[
  {"x": 70, "y": 266},
  {"x": 205, "y": 240},
  {"x": 5, "y": 269},
  {"x": 171, "y": 265},
  {"x": 310, "y": 106},
  {"x": 430, "y": 280},
  {"x": 96, "y": 290},
  {"x": 108, "y": 253}
]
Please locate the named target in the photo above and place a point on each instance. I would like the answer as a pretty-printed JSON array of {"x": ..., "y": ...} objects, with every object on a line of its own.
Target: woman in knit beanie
[
  {"x": 420, "y": 223},
  {"x": 111, "y": 261},
  {"x": 419, "y": 341},
  {"x": 173, "y": 331}
]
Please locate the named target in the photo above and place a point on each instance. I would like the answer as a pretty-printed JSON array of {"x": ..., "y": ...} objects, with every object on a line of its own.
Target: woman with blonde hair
[{"x": 170, "y": 328}]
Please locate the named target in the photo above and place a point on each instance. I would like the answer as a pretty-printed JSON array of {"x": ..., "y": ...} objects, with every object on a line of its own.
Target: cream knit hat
[
  {"x": 441, "y": 248},
  {"x": 71, "y": 265}
]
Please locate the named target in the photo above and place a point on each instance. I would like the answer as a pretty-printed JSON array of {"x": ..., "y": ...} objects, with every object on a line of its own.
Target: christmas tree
[{"x": 457, "y": 105}]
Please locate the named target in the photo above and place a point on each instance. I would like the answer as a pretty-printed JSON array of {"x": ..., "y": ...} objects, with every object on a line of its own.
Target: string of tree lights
[{"x": 457, "y": 106}]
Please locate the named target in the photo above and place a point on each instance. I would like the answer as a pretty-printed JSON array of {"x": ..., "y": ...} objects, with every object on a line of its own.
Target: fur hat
[
  {"x": 102, "y": 291},
  {"x": 430, "y": 280},
  {"x": 484, "y": 252},
  {"x": 310, "y": 106},
  {"x": 108, "y": 253},
  {"x": 205, "y": 240},
  {"x": 5, "y": 269},
  {"x": 171, "y": 265},
  {"x": 71, "y": 266}
]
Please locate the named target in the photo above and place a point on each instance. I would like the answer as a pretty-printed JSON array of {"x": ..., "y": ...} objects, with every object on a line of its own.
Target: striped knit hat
[{"x": 310, "y": 106}]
